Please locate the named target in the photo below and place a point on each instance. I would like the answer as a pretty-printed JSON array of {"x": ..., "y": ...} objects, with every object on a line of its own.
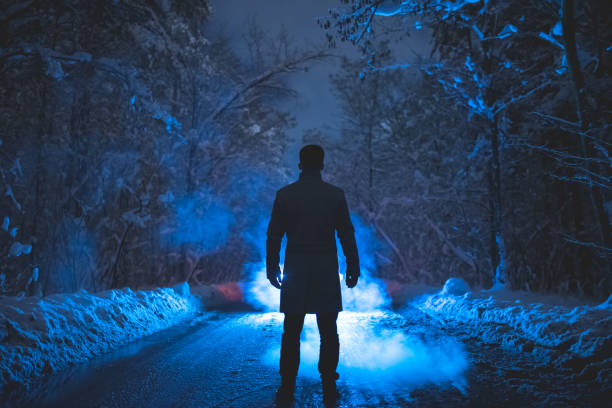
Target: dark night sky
[{"x": 315, "y": 105}]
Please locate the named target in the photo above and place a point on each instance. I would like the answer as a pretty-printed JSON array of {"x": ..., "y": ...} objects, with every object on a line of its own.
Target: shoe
[
  {"x": 285, "y": 393},
  {"x": 330, "y": 393}
]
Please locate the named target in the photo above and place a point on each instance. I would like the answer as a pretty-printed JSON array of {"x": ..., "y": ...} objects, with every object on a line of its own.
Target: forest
[
  {"x": 144, "y": 151},
  {"x": 139, "y": 149}
]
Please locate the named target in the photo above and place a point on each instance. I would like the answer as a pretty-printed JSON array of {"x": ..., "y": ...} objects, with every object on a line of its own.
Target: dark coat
[{"x": 310, "y": 211}]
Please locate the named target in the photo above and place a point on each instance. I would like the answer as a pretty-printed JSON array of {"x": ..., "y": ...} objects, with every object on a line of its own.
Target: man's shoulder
[
  {"x": 334, "y": 189},
  {"x": 286, "y": 189},
  {"x": 296, "y": 186}
]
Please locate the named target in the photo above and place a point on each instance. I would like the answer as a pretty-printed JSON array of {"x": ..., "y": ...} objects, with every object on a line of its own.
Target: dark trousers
[{"x": 290, "y": 345}]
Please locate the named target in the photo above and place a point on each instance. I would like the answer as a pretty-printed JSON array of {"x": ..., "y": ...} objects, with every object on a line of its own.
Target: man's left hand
[{"x": 274, "y": 276}]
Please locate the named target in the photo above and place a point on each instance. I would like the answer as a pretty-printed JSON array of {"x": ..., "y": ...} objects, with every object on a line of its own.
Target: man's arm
[
  {"x": 346, "y": 233},
  {"x": 276, "y": 230}
]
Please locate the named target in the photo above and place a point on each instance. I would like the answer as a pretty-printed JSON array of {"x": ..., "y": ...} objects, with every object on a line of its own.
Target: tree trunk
[
  {"x": 498, "y": 226},
  {"x": 496, "y": 237},
  {"x": 584, "y": 118},
  {"x": 497, "y": 242}
]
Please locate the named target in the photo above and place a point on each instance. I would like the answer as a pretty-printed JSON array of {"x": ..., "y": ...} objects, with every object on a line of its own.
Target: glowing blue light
[
  {"x": 372, "y": 351},
  {"x": 368, "y": 295}
]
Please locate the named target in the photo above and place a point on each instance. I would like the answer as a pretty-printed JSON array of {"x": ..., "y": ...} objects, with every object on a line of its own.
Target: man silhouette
[{"x": 309, "y": 211}]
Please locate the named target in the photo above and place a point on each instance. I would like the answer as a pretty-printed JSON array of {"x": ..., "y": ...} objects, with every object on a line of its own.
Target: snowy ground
[
  {"x": 576, "y": 340},
  {"x": 454, "y": 348},
  {"x": 222, "y": 360},
  {"x": 43, "y": 335}
]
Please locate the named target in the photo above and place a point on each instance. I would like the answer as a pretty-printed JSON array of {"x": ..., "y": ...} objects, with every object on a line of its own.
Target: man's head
[{"x": 311, "y": 157}]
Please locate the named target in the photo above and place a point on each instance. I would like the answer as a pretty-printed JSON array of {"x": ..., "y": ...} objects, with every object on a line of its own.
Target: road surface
[{"x": 229, "y": 359}]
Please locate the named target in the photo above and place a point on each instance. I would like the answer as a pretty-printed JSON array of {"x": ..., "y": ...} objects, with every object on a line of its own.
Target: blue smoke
[
  {"x": 368, "y": 295},
  {"x": 375, "y": 348},
  {"x": 375, "y": 353},
  {"x": 200, "y": 220}
]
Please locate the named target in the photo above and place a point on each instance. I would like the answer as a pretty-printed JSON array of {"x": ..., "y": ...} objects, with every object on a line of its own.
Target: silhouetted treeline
[
  {"x": 136, "y": 149},
  {"x": 490, "y": 158}
]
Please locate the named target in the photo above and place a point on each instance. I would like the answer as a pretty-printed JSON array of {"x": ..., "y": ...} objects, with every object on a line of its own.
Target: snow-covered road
[{"x": 387, "y": 359}]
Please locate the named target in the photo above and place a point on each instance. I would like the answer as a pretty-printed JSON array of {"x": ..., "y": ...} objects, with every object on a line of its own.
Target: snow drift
[
  {"x": 576, "y": 338},
  {"x": 42, "y": 335}
]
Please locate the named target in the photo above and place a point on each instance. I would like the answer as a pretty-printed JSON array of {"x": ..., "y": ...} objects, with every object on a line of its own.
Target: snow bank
[
  {"x": 42, "y": 335},
  {"x": 578, "y": 338}
]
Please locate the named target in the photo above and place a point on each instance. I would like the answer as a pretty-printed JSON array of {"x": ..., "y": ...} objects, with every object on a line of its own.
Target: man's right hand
[{"x": 274, "y": 276}]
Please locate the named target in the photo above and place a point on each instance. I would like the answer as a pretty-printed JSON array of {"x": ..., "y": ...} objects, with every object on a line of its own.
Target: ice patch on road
[{"x": 42, "y": 335}]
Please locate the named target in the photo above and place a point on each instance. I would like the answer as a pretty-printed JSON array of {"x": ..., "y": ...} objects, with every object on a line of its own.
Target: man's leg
[
  {"x": 290, "y": 354},
  {"x": 328, "y": 354}
]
